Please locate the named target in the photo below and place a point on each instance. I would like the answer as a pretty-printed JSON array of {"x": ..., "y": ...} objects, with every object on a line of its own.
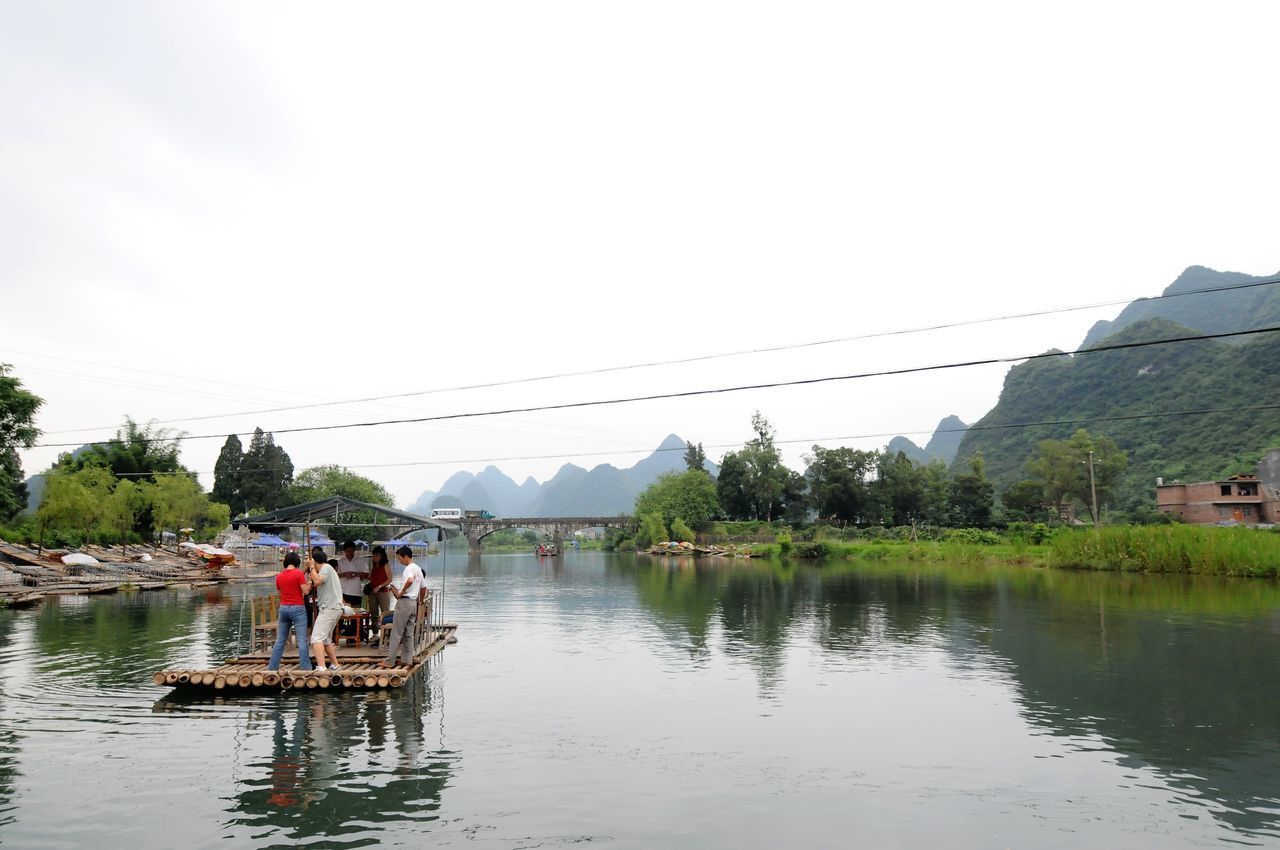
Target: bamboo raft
[
  {"x": 359, "y": 669},
  {"x": 27, "y": 577}
]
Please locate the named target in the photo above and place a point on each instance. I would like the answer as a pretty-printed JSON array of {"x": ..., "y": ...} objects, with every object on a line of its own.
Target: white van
[{"x": 446, "y": 513}]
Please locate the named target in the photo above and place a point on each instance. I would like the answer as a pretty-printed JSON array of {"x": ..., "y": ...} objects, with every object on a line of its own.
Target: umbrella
[
  {"x": 270, "y": 540},
  {"x": 318, "y": 539}
]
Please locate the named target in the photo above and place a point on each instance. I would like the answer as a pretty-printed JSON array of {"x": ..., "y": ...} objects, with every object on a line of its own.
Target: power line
[
  {"x": 707, "y": 357},
  {"x": 721, "y": 390},
  {"x": 1204, "y": 411}
]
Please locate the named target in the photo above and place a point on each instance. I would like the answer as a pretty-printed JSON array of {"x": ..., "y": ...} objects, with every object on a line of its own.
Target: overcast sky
[{"x": 219, "y": 208}]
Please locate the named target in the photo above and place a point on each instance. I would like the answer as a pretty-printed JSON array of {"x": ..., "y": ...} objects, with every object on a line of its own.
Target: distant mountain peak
[
  {"x": 573, "y": 491},
  {"x": 941, "y": 446},
  {"x": 1207, "y": 312},
  {"x": 672, "y": 443}
]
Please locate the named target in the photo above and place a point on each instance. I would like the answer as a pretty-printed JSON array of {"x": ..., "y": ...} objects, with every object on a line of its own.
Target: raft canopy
[{"x": 332, "y": 510}]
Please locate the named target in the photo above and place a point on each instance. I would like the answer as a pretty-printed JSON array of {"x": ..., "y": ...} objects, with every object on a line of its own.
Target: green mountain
[
  {"x": 909, "y": 448},
  {"x": 946, "y": 438},
  {"x": 941, "y": 446},
  {"x": 1211, "y": 312},
  {"x": 1084, "y": 390}
]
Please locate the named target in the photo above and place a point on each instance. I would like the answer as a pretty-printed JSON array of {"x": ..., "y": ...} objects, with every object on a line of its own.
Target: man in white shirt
[
  {"x": 352, "y": 574},
  {"x": 406, "y": 592}
]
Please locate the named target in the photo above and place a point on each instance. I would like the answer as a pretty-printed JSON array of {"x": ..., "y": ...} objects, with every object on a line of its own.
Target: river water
[{"x": 643, "y": 703}]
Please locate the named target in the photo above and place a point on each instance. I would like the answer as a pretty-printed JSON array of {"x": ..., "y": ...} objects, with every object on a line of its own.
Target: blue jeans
[{"x": 296, "y": 616}]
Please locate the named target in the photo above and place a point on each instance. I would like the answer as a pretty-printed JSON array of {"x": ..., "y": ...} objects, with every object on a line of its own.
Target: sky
[{"x": 212, "y": 208}]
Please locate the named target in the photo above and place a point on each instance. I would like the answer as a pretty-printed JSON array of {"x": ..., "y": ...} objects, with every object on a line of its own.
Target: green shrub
[
  {"x": 681, "y": 531},
  {"x": 1035, "y": 533},
  {"x": 978, "y": 536}
]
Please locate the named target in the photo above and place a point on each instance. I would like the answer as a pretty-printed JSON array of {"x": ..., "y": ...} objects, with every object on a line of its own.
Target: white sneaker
[{"x": 333, "y": 668}]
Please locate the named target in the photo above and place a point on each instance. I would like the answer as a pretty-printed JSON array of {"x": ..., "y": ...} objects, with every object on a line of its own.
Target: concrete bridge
[{"x": 556, "y": 528}]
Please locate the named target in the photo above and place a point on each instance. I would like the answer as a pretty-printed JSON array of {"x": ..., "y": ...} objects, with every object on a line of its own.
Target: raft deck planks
[{"x": 359, "y": 669}]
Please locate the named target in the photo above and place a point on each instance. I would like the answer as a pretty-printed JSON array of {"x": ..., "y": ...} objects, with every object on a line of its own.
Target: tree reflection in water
[{"x": 1173, "y": 673}]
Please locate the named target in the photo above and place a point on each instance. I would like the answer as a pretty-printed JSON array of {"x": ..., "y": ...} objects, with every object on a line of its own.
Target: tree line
[{"x": 854, "y": 487}]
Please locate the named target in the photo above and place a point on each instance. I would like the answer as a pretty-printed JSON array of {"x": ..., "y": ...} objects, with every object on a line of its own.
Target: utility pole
[{"x": 1093, "y": 491}]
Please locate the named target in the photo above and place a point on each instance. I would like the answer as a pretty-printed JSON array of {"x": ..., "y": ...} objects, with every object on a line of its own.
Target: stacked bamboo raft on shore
[
  {"x": 360, "y": 669},
  {"x": 673, "y": 547},
  {"x": 28, "y": 576}
]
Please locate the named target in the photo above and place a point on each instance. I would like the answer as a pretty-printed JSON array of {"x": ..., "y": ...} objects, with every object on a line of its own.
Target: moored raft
[{"x": 360, "y": 669}]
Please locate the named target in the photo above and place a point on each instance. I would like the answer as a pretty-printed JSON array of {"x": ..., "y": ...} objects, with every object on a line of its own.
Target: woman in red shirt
[{"x": 293, "y": 586}]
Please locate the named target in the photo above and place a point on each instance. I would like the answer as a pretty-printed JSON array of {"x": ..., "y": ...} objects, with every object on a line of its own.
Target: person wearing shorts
[{"x": 329, "y": 601}]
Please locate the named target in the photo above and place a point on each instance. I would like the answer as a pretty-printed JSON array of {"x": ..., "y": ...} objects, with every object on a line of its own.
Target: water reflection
[
  {"x": 340, "y": 764},
  {"x": 1175, "y": 674},
  {"x": 653, "y": 701}
]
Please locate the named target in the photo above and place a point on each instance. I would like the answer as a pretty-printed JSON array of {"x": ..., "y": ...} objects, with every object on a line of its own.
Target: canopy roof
[{"x": 331, "y": 510}]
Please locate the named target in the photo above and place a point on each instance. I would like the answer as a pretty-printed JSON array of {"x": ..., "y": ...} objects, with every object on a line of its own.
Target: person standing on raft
[
  {"x": 293, "y": 585},
  {"x": 379, "y": 592},
  {"x": 353, "y": 575},
  {"x": 324, "y": 578},
  {"x": 406, "y": 594}
]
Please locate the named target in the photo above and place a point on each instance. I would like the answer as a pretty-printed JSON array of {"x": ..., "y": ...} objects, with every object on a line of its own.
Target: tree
[
  {"x": 177, "y": 503},
  {"x": 323, "y": 482},
  {"x": 1025, "y": 502},
  {"x": 652, "y": 530},
  {"x": 757, "y": 480},
  {"x": 901, "y": 488},
  {"x": 217, "y": 516},
  {"x": 121, "y": 509},
  {"x": 266, "y": 473},
  {"x": 136, "y": 451},
  {"x": 70, "y": 502},
  {"x": 971, "y": 496},
  {"x": 1102, "y": 459},
  {"x": 686, "y": 496},
  {"x": 18, "y": 409},
  {"x": 935, "y": 509},
  {"x": 794, "y": 506},
  {"x": 840, "y": 484},
  {"x": 1057, "y": 471},
  {"x": 694, "y": 457},
  {"x": 13, "y": 489},
  {"x": 1061, "y": 467},
  {"x": 731, "y": 488},
  {"x": 226, "y": 475},
  {"x": 682, "y": 532},
  {"x": 139, "y": 453}
]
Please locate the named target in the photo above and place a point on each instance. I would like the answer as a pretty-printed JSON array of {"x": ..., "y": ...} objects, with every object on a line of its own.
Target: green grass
[
  {"x": 1008, "y": 552},
  {"x": 1169, "y": 549}
]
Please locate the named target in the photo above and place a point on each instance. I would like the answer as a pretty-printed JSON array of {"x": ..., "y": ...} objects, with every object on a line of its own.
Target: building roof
[{"x": 332, "y": 509}]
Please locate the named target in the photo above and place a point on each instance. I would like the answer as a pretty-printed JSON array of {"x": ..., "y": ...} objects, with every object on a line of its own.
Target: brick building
[{"x": 1248, "y": 499}]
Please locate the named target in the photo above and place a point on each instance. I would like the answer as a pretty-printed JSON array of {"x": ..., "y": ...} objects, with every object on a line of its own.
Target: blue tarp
[{"x": 269, "y": 540}]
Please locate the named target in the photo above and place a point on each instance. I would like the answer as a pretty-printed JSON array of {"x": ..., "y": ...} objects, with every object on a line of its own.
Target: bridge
[{"x": 557, "y": 528}]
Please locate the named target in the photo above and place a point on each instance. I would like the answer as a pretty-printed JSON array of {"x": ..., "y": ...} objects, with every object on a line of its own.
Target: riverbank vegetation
[
  {"x": 851, "y": 504},
  {"x": 1201, "y": 550},
  {"x": 1184, "y": 549}
]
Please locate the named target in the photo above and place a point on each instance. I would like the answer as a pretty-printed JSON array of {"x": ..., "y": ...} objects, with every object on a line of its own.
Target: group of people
[{"x": 336, "y": 583}]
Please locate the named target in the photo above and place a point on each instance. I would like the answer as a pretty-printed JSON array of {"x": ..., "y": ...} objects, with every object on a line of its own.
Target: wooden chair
[
  {"x": 350, "y": 627},
  {"x": 266, "y": 616}
]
